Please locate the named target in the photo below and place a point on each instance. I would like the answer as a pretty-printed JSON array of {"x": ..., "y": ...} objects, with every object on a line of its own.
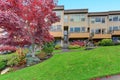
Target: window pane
[
  {"x": 77, "y": 29},
  {"x": 65, "y": 18},
  {"x": 110, "y": 29},
  {"x": 92, "y": 20},
  {"x": 110, "y": 18},
  {"x": 115, "y": 28},
  {"x": 98, "y": 19},
  {"x": 103, "y": 20},
  {"x": 83, "y": 29},
  {"x": 115, "y": 18},
  {"x": 59, "y": 28},
  {"x": 82, "y": 19},
  {"x": 75, "y": 18},
  {"x": 71, "y": 30},
  {"x": 58, "y": 13},
  {"x": 98, "y": 31},
  {"x": 92, "y": 31}
]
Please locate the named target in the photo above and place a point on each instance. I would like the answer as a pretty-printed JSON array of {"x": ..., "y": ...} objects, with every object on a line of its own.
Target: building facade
[{"x": 79, "y": 24}]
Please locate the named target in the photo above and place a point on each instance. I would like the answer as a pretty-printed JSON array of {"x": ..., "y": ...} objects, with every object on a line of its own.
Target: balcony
[
  {"x": 116, "y": 33},
  {"x": 79, "y": 35},
  {"x": 102, "y": 36},
  {"x": 56, "y": 34}
]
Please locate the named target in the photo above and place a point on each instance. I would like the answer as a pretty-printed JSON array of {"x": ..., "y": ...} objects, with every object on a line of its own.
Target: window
[
  {"x": 65, "y": 18},
  {"x": 56, "y": 28},
  {"x": 92, "y": 31},
  {"x": 103, "y": 20},
  {"x": 110, "y": 29},
  {"x": 83, "y": 29},
  {"x": 115, "y": 28},
  {"x": 77, "y": 29},
  {"x": 75, "y": 18},
  {"x": 58, "y": 13},
  {"x": 115, "y": 18},
  {"x": 97, "y": 31},
  {"x": 98, "y": 19},
  {"x": 82, "y": 18},
  {"x": 92, "y": 20},
  {"x": 71, "y": 29},
  {"x": 110, "y": 18}
]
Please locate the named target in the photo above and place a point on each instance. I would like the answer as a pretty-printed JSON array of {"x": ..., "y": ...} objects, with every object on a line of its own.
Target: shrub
[
  {"x": 13, "y": 60},
  {"x": 7, "y": 49},
  {"x": 48, "y": 47},
  {"x": 58, "y": 46},
  {"x": 73, "y": 46},
  {"x": 78, "y": 42},
  {"x": 106, "y": 42},
  {"x": 42, "y": 55},
  {"x": 2, "y": 65}
]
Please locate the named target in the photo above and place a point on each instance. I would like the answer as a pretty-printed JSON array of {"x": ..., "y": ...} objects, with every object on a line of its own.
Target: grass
[
  {"x": 57, "y": 51},
  {"x": 81, "y": 65}
]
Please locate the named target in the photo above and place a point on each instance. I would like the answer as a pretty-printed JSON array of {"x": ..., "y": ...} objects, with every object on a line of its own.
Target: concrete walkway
[{"x": 114, "y": 77}]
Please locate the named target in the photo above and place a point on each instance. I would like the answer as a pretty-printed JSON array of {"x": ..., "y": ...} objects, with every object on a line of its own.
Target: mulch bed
[{"x": 24, "y": 65}]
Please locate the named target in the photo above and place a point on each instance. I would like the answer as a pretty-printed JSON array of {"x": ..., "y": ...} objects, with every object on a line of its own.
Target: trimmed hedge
[
  {"x": 58, "y": 46},
  {"x": 106, "y": 42},
  {"x": 73, "y": 46}
]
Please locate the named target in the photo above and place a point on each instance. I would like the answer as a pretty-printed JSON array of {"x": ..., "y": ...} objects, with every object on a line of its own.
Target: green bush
[
  {"x": 73, "y": 46},
  {"x": 106, "y": 42},
  {"x": 2, "y": 65},
  {"x": 13, "y": 60},
  {"x": 48, "y": 47},
  {"x": 58, "y": 46}
]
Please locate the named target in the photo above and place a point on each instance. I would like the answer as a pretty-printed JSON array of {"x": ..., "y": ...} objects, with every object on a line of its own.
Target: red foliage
[
  {"x": 26, "y": 22},
  {"x": 77, "y": 42},
  {"x": 7, "y": 48}
]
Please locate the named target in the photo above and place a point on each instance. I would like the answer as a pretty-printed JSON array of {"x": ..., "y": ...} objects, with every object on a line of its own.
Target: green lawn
[{"x": 81, "y": 65}]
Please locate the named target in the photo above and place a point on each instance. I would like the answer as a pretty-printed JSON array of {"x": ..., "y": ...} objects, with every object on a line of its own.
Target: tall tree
[{"x": 26, "y": 22}]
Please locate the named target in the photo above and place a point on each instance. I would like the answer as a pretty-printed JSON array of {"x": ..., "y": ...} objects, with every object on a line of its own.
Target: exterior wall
[{"x": 59, "y": 33}]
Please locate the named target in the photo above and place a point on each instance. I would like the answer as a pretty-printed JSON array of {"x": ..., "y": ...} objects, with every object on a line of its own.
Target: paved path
[{"x": 114, "y": 77}]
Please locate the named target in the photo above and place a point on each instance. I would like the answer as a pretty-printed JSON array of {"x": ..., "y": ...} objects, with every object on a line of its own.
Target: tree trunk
[{"x": 33, "y": 50}]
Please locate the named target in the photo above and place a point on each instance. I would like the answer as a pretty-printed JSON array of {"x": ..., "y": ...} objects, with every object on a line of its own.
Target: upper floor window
[
  {"x": 82, "y": 17},
  {"x": 114, "y": 18},
  {"x": 65, "y": 18},
  {"x": 98, "y": 20},
  {"x": 77, "y": 18},
  {"x": 58, "y": 13},
  {"x": 56, "y": 28}
]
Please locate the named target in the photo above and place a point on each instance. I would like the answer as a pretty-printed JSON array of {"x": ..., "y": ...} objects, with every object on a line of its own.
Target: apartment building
[{"x": 79, "y": 24}]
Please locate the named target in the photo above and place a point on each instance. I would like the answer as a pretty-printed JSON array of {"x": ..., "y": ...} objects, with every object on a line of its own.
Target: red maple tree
[{"x": 26, "y": 22}]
